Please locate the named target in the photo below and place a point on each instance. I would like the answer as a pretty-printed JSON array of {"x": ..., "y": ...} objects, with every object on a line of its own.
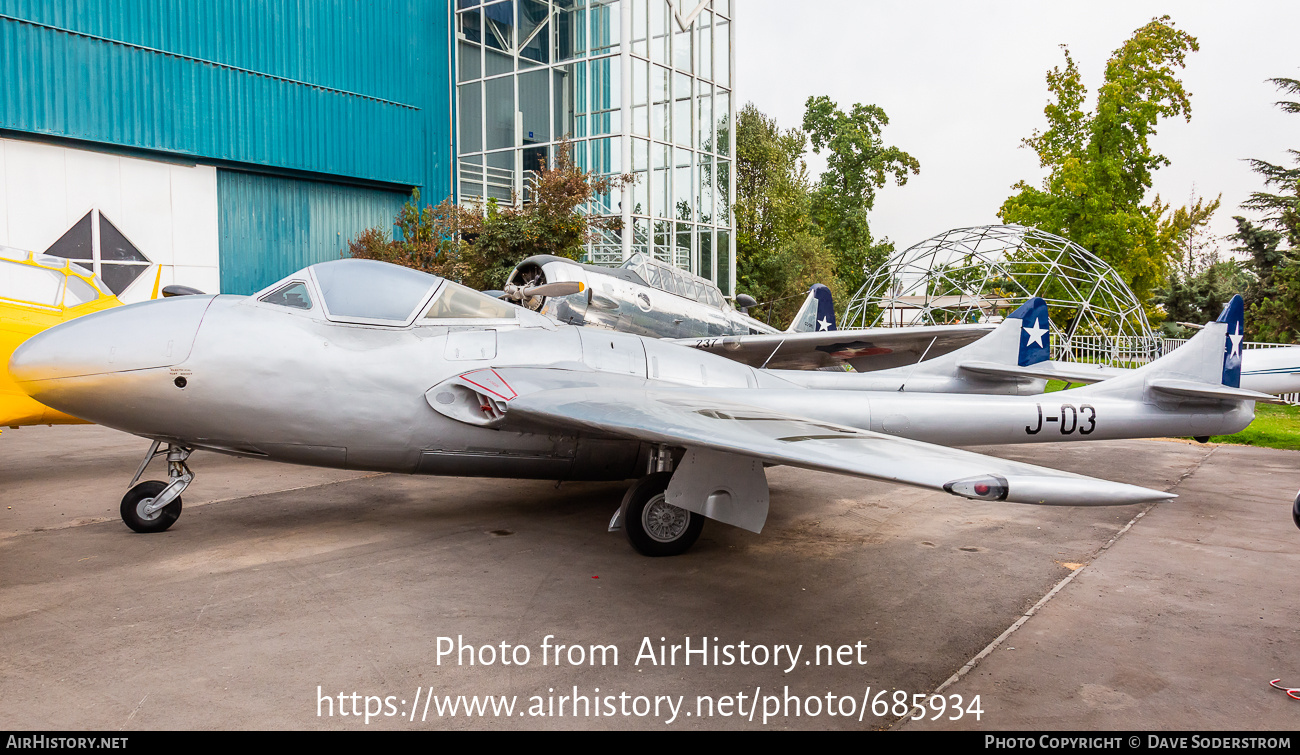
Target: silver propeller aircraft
[
  {"x": 651, "y": 298},
  {"x": 363, "y": 365}
]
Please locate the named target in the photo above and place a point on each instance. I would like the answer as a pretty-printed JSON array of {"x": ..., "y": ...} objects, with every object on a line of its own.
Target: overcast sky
[{"x": 963, "y": 83}]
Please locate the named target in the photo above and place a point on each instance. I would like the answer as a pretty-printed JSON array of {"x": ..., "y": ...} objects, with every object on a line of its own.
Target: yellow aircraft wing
[{"x": 39, "y": 292}]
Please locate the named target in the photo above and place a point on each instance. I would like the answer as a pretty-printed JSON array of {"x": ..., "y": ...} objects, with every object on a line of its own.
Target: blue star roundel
[
  {"x": 1234, "y": 314},
  {"x": 1035, "y": 332}
]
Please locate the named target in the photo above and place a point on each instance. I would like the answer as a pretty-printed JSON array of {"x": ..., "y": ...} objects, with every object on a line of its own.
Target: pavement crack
[
  {"x": 980, "y": 656},
  {"x": 132, "y": 715}
]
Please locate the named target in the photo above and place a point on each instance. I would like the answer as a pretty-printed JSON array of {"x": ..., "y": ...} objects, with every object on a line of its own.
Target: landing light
[{"x": 984, "y": 488}]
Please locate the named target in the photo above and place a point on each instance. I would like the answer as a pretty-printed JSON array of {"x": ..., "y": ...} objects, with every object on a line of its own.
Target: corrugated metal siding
[
  {"x": 329, "y": 86},
  {"x": 272, "y": 226},
  {"x": 358, "y": 46}
]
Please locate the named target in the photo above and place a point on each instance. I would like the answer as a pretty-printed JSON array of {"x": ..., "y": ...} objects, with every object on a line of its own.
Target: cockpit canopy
[
  {"x": 45, "y": 280},
  {"x": 379, "y": 293},
  {"x": 369, "y": 290},
  {"x": 665, "y": 277}
]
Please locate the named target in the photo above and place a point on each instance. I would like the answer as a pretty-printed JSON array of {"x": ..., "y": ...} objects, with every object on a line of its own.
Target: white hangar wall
[{"x": 167, "y": 211}]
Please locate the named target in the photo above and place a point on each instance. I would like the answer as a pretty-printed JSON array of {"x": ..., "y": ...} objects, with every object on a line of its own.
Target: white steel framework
[
  {"x": 980, "y": 274},
  {"x": 637, "y": 86}
]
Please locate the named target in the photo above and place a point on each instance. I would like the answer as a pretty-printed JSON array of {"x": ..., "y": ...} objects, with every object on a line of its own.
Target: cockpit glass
[
  {"x": 458, "y": 302},
  {"x": 684, "y": 287},
  {"x": 79, "y": 292},
  {"x": 294, "y": 295},
  {"x": 371, "y": 290},
  {"x": 30, "y": 283}
]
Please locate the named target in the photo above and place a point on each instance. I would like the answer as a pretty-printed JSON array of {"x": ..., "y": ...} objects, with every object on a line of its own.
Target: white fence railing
[{"x": 1116, "y": 351}]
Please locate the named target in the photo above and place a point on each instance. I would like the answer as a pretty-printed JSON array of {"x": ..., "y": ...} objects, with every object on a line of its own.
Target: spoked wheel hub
[
  {"x": 662, "y": 521},
  {"x": 653, "y": 526}
]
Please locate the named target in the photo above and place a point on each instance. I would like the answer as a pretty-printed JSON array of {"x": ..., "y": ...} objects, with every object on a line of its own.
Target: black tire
[
  {"x": 1295, "y": 510},
  {"x": 133, "y": 504},
  {"x": 653, "y": 527}
]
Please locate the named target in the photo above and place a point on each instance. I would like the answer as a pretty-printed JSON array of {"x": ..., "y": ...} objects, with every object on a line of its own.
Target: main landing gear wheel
[
  {"x": 653, "y": 526},
  {"x": 135, "y": 508}
]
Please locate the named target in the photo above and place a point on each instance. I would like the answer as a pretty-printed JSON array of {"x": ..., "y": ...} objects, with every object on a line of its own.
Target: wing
[
  {"x": 866, "y": 350},
  {"x": 711, "y": 419}
]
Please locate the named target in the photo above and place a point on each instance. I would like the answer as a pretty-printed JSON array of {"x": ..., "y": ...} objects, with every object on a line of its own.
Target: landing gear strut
[{"x": 153, "y": 506}]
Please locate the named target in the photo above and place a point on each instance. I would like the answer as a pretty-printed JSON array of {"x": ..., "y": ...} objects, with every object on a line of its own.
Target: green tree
[
  {"x": 1199, "y": 297},
  {"x": 1273, "y": 298},
  {"x": 1282, "y": 207},
  {"x": 779, "y": 253},
  {"x": 781, "y": 278},
  {"x": 1277, "y": 318},
  {"x": 1199, "y": 283},
  {"x": 1273, "y": 302},
  {"x": 858, "y": 164},
  {"x": 1187, "y": 235},
  {"x": 772, "y": 191},
  {"x": 479, "y": 246},
  {"x": 1100, "y": 163},
  {"x": 426, "y": 239}
]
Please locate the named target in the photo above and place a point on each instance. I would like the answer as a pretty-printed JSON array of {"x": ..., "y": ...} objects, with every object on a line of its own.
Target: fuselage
[
  {"x": 241, "y": 376},
  {"x": 1274, "y": 370}
]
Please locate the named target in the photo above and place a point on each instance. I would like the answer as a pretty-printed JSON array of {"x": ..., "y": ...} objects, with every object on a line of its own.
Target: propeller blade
[
  {"x": 555, "y": 289},
  {"x": 520, "y": 293}
]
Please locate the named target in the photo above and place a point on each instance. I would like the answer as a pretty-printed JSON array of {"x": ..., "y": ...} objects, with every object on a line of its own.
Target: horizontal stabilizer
[
  {"x": 1043, "y": 370},
  {"x": 1208, "y": 392}
]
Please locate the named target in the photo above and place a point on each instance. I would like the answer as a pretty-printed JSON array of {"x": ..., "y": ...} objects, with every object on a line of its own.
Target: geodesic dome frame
[{"x": 983, "y": 273}]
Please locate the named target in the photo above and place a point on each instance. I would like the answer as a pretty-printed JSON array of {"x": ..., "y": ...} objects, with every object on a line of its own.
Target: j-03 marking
[{"x": 1085, "y": 412}]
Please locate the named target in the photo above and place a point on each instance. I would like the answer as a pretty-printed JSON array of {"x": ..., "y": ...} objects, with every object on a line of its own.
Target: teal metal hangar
[
  {"x": 222, "y": 145},
  {"x": 230, "y": 143}
]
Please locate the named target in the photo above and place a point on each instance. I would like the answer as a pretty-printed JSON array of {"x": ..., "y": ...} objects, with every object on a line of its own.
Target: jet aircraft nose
[{"x": 52, "y": 364}]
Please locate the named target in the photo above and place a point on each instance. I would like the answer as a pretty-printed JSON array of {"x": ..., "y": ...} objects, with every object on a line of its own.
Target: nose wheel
[
  {"x": 153, "y": 505},
  {"x": 140, "y": 512}
]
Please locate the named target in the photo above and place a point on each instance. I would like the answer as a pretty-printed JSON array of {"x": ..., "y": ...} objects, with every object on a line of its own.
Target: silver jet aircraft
[
  {"x": 647, "y": 297},
  {"x": 1015, "y": 359},
  {"x": 363, "y": 365}
]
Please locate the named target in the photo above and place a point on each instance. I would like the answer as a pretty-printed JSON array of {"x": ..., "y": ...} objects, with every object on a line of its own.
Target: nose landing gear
[{"x": 153, "y": 506}]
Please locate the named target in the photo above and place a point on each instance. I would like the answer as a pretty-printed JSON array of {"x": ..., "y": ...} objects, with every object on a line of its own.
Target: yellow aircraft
[{"x": 38, "y": 292}]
